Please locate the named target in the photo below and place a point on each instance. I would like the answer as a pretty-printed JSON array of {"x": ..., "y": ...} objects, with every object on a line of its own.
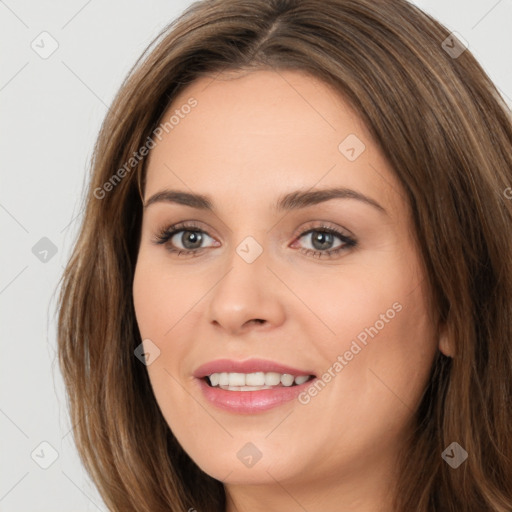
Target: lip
[{"x": 249, "y": 402}]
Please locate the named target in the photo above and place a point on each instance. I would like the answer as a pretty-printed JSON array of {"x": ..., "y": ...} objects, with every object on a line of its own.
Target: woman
[{"x": 292, "y": 288}]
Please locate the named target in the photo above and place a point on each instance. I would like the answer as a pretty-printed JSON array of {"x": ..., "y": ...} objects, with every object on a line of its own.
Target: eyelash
[{"x": 166, "y": 234}]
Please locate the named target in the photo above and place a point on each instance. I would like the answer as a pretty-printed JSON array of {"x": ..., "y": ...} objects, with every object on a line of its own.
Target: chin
[{"x": 240, "y": 461}]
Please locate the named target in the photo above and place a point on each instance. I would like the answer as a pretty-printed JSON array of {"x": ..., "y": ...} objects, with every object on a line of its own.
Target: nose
[{"x": 248, "y": 296}]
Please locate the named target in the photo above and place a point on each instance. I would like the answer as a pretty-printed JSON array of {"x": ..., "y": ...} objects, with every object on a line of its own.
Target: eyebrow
[{"x": 291, "y": 201}]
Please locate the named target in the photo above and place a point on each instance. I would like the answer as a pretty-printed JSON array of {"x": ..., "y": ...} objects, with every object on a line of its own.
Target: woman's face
[{"x": 286, "y": 279}]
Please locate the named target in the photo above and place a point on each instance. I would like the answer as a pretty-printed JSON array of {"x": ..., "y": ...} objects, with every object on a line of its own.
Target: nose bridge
[
  {"x": 247, "y": 275},
  {"x": 246, "y": 291}
]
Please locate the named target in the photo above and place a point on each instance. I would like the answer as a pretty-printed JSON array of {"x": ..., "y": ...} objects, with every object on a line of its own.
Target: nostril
[{"x": 257, "y": 320}]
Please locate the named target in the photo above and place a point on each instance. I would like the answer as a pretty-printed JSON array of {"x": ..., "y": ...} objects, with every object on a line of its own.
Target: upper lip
[{"x": 248, "y": 366}]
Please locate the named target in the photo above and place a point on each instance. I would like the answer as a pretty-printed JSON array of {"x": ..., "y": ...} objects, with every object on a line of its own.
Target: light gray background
[{"x": 51, "y": 113}]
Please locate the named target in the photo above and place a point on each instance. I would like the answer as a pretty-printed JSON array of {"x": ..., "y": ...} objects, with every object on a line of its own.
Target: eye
[
  {"x": 187, "y": 238},
  {"x": 183, "y": 238},
  {"x": 321, "y": 240}
]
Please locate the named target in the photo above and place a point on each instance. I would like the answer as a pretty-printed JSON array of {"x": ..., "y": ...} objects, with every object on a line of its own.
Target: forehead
[{"x": 250, "y": 134}]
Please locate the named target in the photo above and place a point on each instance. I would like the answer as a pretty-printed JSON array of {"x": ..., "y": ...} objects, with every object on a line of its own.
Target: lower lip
[{"x": 248, "y": 402}]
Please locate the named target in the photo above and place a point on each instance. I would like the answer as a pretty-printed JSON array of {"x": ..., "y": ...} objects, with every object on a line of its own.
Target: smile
[
  {"x": 255, "y": 381},
  {"x": 252, "y": 386}
]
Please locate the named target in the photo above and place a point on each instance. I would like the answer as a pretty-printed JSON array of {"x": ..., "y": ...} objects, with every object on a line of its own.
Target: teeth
[
  {"x": 254, "y": 388},
  {"x": 254, "y": 381},
  {"x": 287, "y": 379},
  {"x": 272, "y": 379},
  {"x": 236, "y": 379}
]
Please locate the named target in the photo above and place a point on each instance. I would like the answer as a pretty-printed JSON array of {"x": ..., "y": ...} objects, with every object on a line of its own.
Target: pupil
[
  {"x": 194, "y": 238},
  {"x": 324, "y": 239}
]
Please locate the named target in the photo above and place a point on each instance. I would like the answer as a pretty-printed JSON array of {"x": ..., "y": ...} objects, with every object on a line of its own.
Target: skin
[{"x": 251, "y": 138}]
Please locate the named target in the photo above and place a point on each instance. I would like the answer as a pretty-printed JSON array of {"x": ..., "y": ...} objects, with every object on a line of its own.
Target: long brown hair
[{"x": 447, "y": 133}]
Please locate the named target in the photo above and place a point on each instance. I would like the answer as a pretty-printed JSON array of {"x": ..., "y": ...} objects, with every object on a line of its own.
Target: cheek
[
  {"x": 161, "y": 302},
  {"x": 365, "y": 304},
  {"x": 377, "y": 344},
  {"x": 165, "y": 301},
  {"x": 379, "y": 360},
  {"x": 161, "y": 297}
]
